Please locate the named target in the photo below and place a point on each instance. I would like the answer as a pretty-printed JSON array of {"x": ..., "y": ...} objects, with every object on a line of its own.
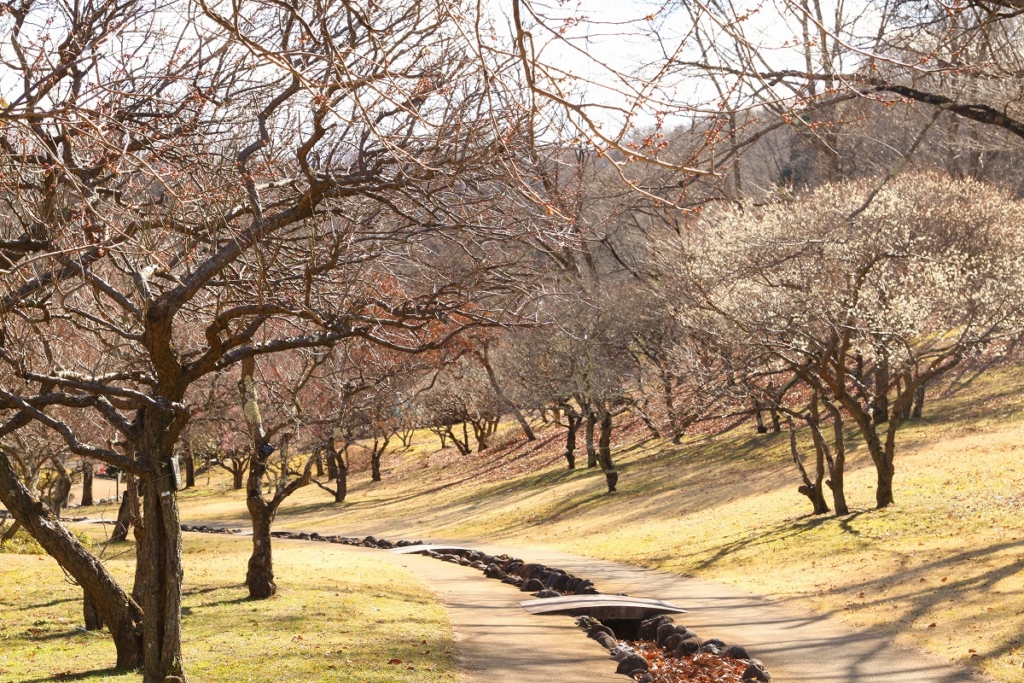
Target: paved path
[
  {"x": 499, "y": 641},
  {"x": 795, "y": 645}
]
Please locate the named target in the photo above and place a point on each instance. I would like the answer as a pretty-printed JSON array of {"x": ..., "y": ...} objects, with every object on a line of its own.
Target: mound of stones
[
  {"x": 672, "y": 640},
  {"x": 529, "y": 577},
  {"x": 210, "y": 529}
]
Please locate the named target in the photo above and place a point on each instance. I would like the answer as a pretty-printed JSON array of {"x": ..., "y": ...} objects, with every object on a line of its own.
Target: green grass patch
[{"x": 339, "y": 616}]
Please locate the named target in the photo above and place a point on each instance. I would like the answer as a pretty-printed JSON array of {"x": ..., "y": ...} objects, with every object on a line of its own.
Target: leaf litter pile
[{"x": 703, "y": 667}]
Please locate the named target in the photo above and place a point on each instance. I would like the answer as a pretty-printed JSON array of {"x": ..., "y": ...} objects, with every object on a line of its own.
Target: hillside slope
[{"x": 940, "y": 570}]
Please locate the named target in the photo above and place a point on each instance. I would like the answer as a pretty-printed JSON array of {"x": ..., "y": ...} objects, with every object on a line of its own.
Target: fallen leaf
[
  {"x": 395, "y": 660},
  {"x": 931, "y": 625}
]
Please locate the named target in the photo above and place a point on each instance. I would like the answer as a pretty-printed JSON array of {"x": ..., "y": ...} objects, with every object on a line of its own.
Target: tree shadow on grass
[
  {"x": 80, "y": 675},
  {"x": 52, "y": 603}
]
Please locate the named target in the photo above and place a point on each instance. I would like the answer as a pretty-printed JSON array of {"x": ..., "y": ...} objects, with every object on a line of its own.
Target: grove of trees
[{"x": 266, "y": 236}]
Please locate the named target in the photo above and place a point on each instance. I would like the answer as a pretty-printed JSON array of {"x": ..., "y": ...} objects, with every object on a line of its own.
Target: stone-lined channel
[{"x": 654, "y": 650}]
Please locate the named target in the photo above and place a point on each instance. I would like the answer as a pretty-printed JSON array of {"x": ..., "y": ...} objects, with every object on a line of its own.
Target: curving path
[{"x": 499, "y": 641}]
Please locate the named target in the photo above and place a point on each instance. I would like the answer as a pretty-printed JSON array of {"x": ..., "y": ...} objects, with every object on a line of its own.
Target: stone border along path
[{"x": 499, "y": 641}]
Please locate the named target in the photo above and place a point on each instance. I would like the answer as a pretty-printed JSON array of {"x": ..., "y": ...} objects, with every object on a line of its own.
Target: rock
[
  {"x": 687, "y": 647},
  {"x": 371, "y": 540},
  {"x": 646, "y": 678},
  {"x": 532, "y": 586},
  {"x": 663, "y": 632},
  {"x": 174, "y": 679},
  {"x": 492, "y": 571},
  {"x": 316, "y": 537},
  {"x": 528, "y": 570},
  {"x": 720, "y": 644},
  {"x": 587, "y": 590},
  {"x": 560, "y": 582},
  {"x": 586, "y": 621},
  {"x": 631, "y": 664},
  {"x": 649, "y": 628},
  {"x": 477, "y": 565},
  {"x": 710, "y": 648},
  {"x": 464, "y": 562},
  {"x": 599, "y": 628},
  {"x": 672, "y": 642},
  {"x": 621, "y": 651},
  {"x": 513, "y": 581},
  {"x": 547, "y": 594},
  {"x": 756, "y": 672},
  {"x": 385, "y": 545},
  {"x": 581, "y": 586},
  {"x": 606, "y": 641},
  {"x": 736, "y": 652}
]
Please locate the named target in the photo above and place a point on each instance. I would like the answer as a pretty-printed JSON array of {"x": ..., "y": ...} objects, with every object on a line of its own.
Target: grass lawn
[
  {"x": 941, "y": 570},
  {"x": 338, "y": 617}
]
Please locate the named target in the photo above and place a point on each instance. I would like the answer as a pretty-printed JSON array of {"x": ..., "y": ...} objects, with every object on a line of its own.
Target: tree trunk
[
  {"x": 319, "y": 463},
  {"x": 341, "y": 468},
  {"x": 86, "y": 483},
  {"x": 375, "y": 456},
  {"x": 125, "y": 516},
  {"x": 883, "y": 491},
  {"x": 574, "y": 419},
  {"x": 516, "y": 412},
  {"x": 237, "y": 476},
  {"x": 260, "y": 576},
  {"x": 589, "y": 434},
  {"x": 121, "y": 614},
  {"x": 332, "y": 464},
  {"x": 880, "y": 404},
  {"x": 10, "y": 533},
  {"x": 91, "y": 616},
  {"x": 159, "y": 559},
  {"x": 62, "y": 489},
  {"x": 837, "y": 465},
  {"x": 190, "y": 466},
  {"x": 918, "y": 402},
  {"x": 811, "y": 489},
  {"x": 759, "y": 419},
  {"x": 604, "y": 451}
]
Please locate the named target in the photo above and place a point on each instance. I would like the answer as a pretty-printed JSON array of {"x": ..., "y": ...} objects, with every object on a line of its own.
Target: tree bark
[
  {"x": 918, "y": 402},
  {"x": 87, "y": 483},
  {"x": 115, "y": 607},
  {"x": 190, "y": 466},
  {"x": 124, "y": 515},
  {"x": 837, "y": 464},
  {"x": 604, "y": 451},
  {"x": 260, "y": 575},
  {"x": 341, "y": 472},
  {"x": 375, "y": 456},
  {"x": 10, "y": 533},
  {"x": 332, "y": 464},
  {"x": 91, "y": 616},
  {"x": 158, "y": 553},
  {"x": 574, "y": 419},
  {"x": 880, "y": 404},
  {"x": 589, "y": 434},
  {"x": 812, "y": 489}
]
